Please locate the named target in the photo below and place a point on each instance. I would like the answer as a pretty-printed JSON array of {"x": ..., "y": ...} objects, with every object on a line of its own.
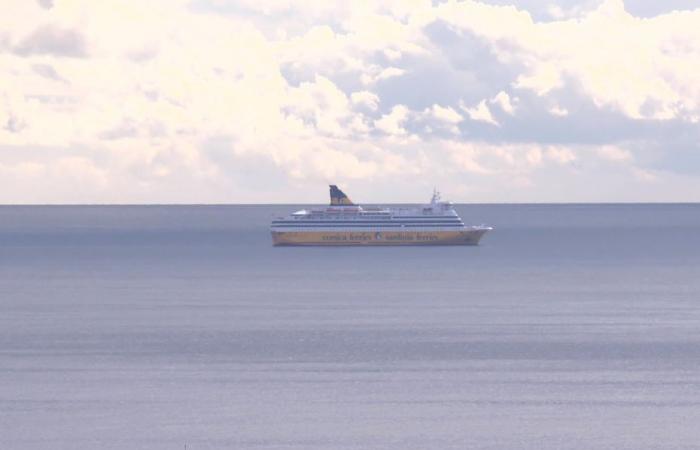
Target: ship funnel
[{"x": 338, "y": 197}]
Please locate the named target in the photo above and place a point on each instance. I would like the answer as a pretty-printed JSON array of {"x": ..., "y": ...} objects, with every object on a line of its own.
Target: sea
[{"x": 572, "y": 326}]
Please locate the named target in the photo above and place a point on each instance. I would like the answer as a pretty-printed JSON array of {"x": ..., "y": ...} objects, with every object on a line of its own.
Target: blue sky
[{"x": 208, "y": 101}]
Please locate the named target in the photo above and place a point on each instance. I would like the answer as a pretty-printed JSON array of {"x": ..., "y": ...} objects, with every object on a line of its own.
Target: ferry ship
[{"x": 345, "y": 223}]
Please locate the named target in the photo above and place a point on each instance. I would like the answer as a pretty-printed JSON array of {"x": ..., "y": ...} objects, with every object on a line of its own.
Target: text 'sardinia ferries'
[{"x": 344, "y": 223}]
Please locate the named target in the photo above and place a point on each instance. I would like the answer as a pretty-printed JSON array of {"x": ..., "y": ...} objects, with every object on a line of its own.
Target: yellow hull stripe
[{"x": 467, "y": 237}]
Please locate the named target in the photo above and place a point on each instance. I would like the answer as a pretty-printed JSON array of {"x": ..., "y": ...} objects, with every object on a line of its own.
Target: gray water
[{"x": 160, "y": 327}]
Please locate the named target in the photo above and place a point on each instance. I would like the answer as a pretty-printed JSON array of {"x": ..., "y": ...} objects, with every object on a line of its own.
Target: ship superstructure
[{"x": 345, "y": 223}]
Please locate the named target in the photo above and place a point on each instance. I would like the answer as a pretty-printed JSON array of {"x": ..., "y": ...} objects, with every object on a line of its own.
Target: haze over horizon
[{"x": 218, "y": 101}]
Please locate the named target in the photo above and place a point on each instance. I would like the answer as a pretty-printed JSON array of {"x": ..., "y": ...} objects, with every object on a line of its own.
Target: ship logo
[{"x": 338, "y": 197}]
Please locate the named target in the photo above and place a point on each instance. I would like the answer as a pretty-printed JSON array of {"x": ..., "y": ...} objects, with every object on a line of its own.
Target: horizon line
[{"x": 4, "y": 205}]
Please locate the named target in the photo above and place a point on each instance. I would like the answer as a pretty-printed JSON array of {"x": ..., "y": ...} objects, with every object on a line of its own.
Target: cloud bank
[{"x": 267, "y": 101}]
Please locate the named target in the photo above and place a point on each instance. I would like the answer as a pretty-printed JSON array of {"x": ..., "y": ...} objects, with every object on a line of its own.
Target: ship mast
[{"x": 436, "y": 197}]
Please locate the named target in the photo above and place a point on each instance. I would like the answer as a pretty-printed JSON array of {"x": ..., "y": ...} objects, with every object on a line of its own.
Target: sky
[{"x": 260, "y": 101}]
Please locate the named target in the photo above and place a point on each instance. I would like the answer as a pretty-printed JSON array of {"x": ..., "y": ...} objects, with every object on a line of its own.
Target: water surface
[{"x": 156, "y": 327}]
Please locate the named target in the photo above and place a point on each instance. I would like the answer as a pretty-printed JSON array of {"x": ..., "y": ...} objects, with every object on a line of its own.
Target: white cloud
[
  {"x": 365, "y": 98},
  {"x": 614, "y": 153},
  {"x": 439, "y": 118},
  {"x": 534, "y": 157},
  {"x": 444, "y": 114},
  {"x": 556, "y": 11},
  {"x": 645, "y": 68},
  {"x": 392, "y": 54},
  {"x": 646, "y": 176},
  {"x": 321, "y": 103},
  {"x": 558, "y": 111},
  {"x": 130, "y": 116},
  {"x": 560, "y": 155},
  {"x": 378, "y": 74},
  {"x": 480, "y": 113},
  {"x": 466, "y": 157},
  {"x": 390, "y": 72},
  {"x": 393, "y": 122},
  {"x": 503, "y": 100}
]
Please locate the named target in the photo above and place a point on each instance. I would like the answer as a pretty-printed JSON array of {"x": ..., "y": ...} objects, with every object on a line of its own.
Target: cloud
[
  {"x": 642, "y": 8},
  {"x": 437, "y": 119},
  {"x": 14, "y": 124},
  {"x": 549, "y": 10},
  {"x": 644, "y": 72},
  {"x": 560, "y": 155},
  {"x": 493, "y": 101},
  {"x": 393, "y": 122},
  {"x": 365, "y": 98},
  {"x": 443, "y": 114},
  {"x": 376, "y": 74},
  {"x": 321, "y": 104},
  {"x": 47, "y": 4},
  {"x": 643, "y": 175},
  {"x": 480, "y": 113},
  {"x": 47, "y": 71},
  {"x": 614, "y": 153},
  {"x": 503, "y": 100},
  {"x": 52, "y": 40},
  {"x": 558, "y": 111}
]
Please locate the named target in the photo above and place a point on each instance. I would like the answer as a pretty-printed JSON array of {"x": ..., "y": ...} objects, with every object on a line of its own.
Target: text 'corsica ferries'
[{"x": 344, "y": 223}]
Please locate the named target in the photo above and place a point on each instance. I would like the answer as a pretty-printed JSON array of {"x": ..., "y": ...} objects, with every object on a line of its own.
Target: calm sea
[{"x": 172, "y": 327}]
